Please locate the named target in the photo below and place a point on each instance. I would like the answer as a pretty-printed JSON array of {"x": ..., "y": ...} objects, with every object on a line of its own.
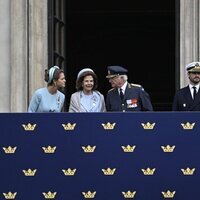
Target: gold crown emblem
[
  {"x": 148, "y": 171},
  {"x": 49, "y": 195},
  {"x": 29, "y": 172},
  {"x": 168, "y": 148},
  {"x": 148, "y": 126},
  {"x": 89, "y": 149},
  {"x": 109, "y": 171},
  {"x": 108, "y": 126},
  {"x": 49, "y": 149},
  {"x": 69, "y": 172},
  {"x": 188, "y": 171},
  {"x": 128, "y": 148},
  {"x": 29, "y": 127},
  {"x": 89, "y": 194},
  {"x": 10, "y": 195},
  {"x": 168, "y": 194},
  {"x": 69, "y": 126},
  {"x": 188, "y": 126},
  {"x": 9, "y": 149},
  {"x": 129, "y": 194}
]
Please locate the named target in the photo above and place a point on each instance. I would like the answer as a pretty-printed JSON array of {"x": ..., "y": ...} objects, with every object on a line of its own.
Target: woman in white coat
[{"x": 87, "y": 98}]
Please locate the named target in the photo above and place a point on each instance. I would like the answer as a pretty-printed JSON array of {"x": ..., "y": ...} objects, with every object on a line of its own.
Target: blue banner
[{"x": 101, "y": 156}]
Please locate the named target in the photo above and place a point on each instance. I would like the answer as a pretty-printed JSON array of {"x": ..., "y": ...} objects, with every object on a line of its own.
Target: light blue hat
[
  {"x": 84, "y": 70},
  {"x": 51, "y": 73}
]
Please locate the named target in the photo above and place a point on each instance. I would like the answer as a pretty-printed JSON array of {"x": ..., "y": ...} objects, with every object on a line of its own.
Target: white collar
[
  {"x": 123, "y": 87},
  {"x": 197, "y": 87}
]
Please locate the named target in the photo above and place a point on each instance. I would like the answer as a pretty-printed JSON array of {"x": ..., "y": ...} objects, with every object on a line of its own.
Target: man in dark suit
[
  {"x": 125, "y": 96},
  {"x": 188, "y": 98}
]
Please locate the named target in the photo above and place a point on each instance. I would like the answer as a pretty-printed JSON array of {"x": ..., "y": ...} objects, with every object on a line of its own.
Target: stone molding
[
  {"x": 28, "y": 50},
  {"x": 189, "y": 36}
]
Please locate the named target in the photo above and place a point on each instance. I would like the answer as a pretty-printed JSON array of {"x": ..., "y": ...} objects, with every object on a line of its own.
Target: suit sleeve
[
  {"x": 146, "y": 102},
  {"x": 103, "y": 109},
  {"x": 35, "y": 101},
  {"x": 108, "y": 108},
  {"x": 74, "y": 107},
  {"x": 175, "y": 103}
]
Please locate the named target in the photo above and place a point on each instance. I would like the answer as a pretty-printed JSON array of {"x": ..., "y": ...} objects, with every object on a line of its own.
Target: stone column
[
  {"x": 189, "y": 36},
  {"x": 5, "y": 55},
  {"x": 28, "y": 50},
  {"x": 19, "y": 55},
  {"x": 38, "y": 37}
]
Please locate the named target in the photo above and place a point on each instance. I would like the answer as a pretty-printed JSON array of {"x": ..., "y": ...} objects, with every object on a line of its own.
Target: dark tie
[
  {"x": 194, "y": 92},
  {"x": 121, "y": 94}
]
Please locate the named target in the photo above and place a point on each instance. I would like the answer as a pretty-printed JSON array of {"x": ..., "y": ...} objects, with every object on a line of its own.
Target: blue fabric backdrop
[{"x": 108, "y": 153}]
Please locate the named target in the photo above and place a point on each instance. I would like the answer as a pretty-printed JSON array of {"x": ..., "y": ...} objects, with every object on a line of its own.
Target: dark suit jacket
[
  {"x": 135, "y": 99},
  {"x": 183, "y": 100}
]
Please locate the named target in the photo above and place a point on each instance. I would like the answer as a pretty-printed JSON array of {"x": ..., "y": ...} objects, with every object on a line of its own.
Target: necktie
[
  {"x": 121, "y": 94},
  {"x": 194, "y": 92}
]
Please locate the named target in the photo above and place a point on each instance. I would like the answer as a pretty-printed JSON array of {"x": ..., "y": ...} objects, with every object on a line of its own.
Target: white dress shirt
[{"x": 192, "y": 90}]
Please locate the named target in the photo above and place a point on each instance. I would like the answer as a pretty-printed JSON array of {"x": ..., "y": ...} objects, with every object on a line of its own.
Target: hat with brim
[
  {"x": 84, "y": 71},
  {"x": 115, "y": 70},
  {"x": 193, "y": 67}
]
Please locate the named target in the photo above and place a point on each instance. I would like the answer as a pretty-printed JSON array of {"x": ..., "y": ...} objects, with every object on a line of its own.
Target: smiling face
[{"x": 88, "y": 84}]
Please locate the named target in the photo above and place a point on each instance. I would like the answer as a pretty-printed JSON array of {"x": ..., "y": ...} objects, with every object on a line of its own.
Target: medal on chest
[{"x": 132, "y": 103}]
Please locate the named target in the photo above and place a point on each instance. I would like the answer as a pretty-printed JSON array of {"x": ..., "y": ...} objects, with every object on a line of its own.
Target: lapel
[
  {"x": 187, "y": 94},
  {"x": 116, "y": 94},
  {"x": 196, "y": 101},
  {"x": 192, "y": 104},
  {"x": 127, "y": 91},
  {"x": 188, "y": 97}
]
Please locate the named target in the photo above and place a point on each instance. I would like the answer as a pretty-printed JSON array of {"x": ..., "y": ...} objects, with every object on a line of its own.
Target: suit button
[{"x": 122, "y": 104}]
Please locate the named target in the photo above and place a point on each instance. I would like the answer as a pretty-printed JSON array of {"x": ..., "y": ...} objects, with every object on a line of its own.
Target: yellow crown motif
[
  {"x": 148, "y": 171},
  {"x": 108, "y": 126},
  {"x": 188, "y": 171},
  {"x": 9, "y": 149},
  {"x": 109, "y": 171},
  {"x": 29, "y": 172},
  {"x": 188, "y": 126},
  {"x": 10, "y": 195},
  {"x": 29, "y": 127},
  {"x": 49, "y": 149},
  {"x": 129, "y": 194},
  {"x": 148, "y": 126},
  {"x": 168, "y": 194},
  {"x": 168, "y": 148},
  {"x": 69, "y": 172},
  {"x": 89, "y": 149},
  {"x": 49, "y": 195},
  {"x": 69, "y": 126},
  {"x": 89, "y": 194},
  {"x": 128, "y": 148}
]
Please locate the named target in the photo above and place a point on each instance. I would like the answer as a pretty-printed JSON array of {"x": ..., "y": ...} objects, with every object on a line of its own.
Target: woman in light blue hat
[
  {"x": 87, "y": 98},
  {"x": 49, "y": 99}
]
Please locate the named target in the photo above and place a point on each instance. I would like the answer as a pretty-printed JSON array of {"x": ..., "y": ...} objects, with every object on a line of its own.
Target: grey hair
[{"x": 124, "y": 77}]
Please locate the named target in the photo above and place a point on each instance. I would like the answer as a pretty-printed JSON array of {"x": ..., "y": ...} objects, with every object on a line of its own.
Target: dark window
[
  {"x": 57, "y": 33},
  {"x": 139, "y": 35}
]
